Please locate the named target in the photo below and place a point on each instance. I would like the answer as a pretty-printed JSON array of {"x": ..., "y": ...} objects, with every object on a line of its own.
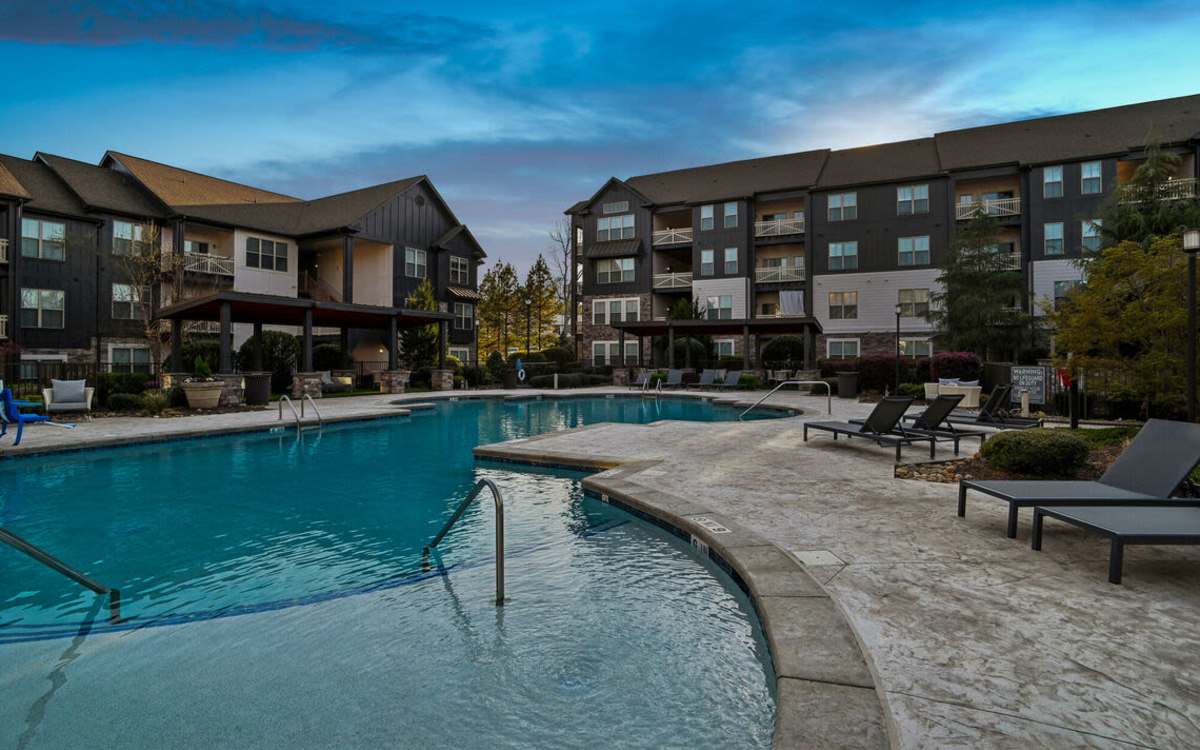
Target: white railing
[
  {"x": 672, "y": 280},
  {"x": 990, "y": 207},
  {"x": 205, "y": 263},
  {"x": 1009, "y": 262},
  {"x": 1184, "y": 188},
  {"x": 781, "y": 314},
  {"x": 778, "y": 227},
  {"x": 672, "y": 236},
  {"x": 3, "y": 326},
  {"x": 783, "y": 273},
  {"x": 3, "y": 251}
]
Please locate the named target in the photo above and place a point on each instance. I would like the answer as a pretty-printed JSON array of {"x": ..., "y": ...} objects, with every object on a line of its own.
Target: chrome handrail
[
  {"x": 828, "y": 394},
  {"x": 499, "y": 502},
  {"x": 294, "y": 412},
  {"x": 308, "y": 397},
  {"x": 52, "y": 562}
]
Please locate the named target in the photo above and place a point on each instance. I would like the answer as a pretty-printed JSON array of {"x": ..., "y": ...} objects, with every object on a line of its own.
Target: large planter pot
[
  {"x": 258, "y": 387},
  {"x": 203, "y": 395}
]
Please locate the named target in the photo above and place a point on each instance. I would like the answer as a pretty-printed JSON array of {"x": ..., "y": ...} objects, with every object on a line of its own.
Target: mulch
[{"x": 975, "y": 467}]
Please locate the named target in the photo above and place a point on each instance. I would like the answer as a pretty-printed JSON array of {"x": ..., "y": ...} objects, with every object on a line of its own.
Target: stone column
[
  {"x": 226, "y": 364},
  {"x": 306, "y": 346},
  {"x": 441, "y": 380},
  {"x": 393, "y": 381}
]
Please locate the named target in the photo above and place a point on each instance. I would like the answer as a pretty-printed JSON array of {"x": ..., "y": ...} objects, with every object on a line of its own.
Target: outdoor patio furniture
[
  {"x": 1177, "y": 523},
  {"x": 14, "y": 415},
  {"x": 882, "y": 426},
  {"x": 329, "y": 385},
  {"x": 68, "y": 397},
  {"x": 732, "y": 378},
  {"x": 994, "y": 413},
  {"x": 674, "y": 379},
  {"x": 642, "y": 379},
  {"x": 778, "y": 376},
  {"x": 707, "y": 378},
  {"x": 948, "y": 387},
  {"x": 1151, "y": 468},
  {"x": 932, "y": 422}
]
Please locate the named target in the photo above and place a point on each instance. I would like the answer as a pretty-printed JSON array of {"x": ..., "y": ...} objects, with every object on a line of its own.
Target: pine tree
[
  {"x": 498, "y": 309},
  {"x": 541, "y": 292},
  {"x": 420, "y": 344}
]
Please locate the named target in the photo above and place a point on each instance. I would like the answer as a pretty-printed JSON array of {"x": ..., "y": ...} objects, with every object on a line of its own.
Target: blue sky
[{"x": 518, "y": 109}]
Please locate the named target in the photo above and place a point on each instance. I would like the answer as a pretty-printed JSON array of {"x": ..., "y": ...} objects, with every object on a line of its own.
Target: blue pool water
[{"x": 273, "y": 596}]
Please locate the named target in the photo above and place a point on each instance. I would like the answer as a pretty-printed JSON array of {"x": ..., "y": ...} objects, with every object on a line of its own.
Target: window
[
  {"x": 42, "y": 308},
  {"x": 607, "y": 311},
  {"x": 606, "y": 352},
  {"x": 615, "y": 207},
  {"x": 843, "y": 256},
  {"x": 126, "y": 302},
  {"x": 129, "y": 359},
  {"x": 1052, "y": 182},
  {"x": 914, "y": 251},
  {"x": 578, "y": 240},
  {"x": 43, "y": 239},
  {"x": 1062, "y": 291},
  {"x": 459, "y": 270},
  {"x": 914, "y": 303},
  {"x": 195, "y": 246},
  {"x": 841, "y": 348},
  {"x": 916, "y": 347},
  {"x": 464, "y": 316},
  {"x": 912, "y": 199},
  {"x": 461, "y": 354},
  {"x": 731, "y": 264},
  {"x": 1053, "y": 238},
  {"x": 719, "y": 308},
  {"x": 614, "y": 270},
  {"x": 768, "y": 309},
  {"x": 614, "y": 228},
  {"x": 127, "y": 238},
  {"x": 725, "y": 347},
  {"x": 415, "y": 263},
  {"x": 268, "y": 255},
  {"x": 706, "y": 217},
  {"x": 1089, "y": 178},
  {"x": 731, "y": 215},
  {"x": 707, "y": 265},
  {"x": 843, "y": 305},
  {"x": 843, "y": 206},
  {"x": 1090, "y": 232}
]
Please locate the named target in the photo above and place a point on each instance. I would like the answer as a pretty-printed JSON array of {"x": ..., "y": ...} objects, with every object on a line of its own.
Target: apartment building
[
  {"x": 65, "y": 294},
  {"x": 852, "y": 239}
]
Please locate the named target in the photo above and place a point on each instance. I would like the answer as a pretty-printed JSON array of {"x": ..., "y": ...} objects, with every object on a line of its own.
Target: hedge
[
  {"x": 125, "y": 401},
  {"x": 109, "y": 384},
  {"x": 784, "y": 352},
  {"x": 1038, "y": 452},
  {"x": 281, "y": 353},
  {"x": 961, "y": 365},
  {"x": 569, "y": 380}
]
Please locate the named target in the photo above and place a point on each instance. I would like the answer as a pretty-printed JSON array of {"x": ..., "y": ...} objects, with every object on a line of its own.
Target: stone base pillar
[
  {"x": 621, "y": 376},
  {"x": 231, "y": 393},
  {"x": 306, "y": 384},
  {"x": 441, "y": 380},
  {"x": 392, "y": 381}
]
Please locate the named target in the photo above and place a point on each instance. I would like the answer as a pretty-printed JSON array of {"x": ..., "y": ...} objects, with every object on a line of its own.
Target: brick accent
[
  {"x": 232, "y": 392},
  {"x": 441, "y": 380},
  {"x": 588, "y": 333},
  {"x": 306, "y": 383},
  {"x": 392, "y": 381}
]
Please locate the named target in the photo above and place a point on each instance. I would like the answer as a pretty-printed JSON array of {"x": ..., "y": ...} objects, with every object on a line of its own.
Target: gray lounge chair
[
  {"x": 932, "y": 422},
  {"x": 642, "y": 380},
  {"x": 1159, "y": 459},
  {"x": 732, "y": 378},
  {"x": 994, "y": 413},
  {"x": 882, "y": 426},
  {"x": 707, "y": 378},
  {"x": 1178, "y": 523},
  {"x": 674, "y": 379},
  {"x": 68, "y": 397}
]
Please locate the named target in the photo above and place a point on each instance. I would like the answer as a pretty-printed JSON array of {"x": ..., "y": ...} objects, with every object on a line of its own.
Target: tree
[
  {"x": 541, "y": 292},
  {"x": 154, "y": 276},
  {"x": 977, "y": 306},
  {"x": 420, "y": 343},
  {"x": 1146, "y": 207},
  {"x": 500, "y": 292},
  {"x": 561, "y": 264}
]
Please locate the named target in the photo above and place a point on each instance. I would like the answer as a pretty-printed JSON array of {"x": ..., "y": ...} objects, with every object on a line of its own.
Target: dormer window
[{"x": 617, "y": 207}]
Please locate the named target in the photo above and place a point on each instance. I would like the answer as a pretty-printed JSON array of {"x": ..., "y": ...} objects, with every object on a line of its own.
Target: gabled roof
[
  {"x": 103, "y": 189},
  {"x": 581, "y": 205},
  {"x": 735, "y": 179},
  {"x": 1100, "y": 132},
  {"x": 180, "y": 187},
  {"x": 460, "y": 230},
  {"x": 10, "y": 186},
  {"x": 46, "y": 190},
  {"x": 886, "y": 162}
]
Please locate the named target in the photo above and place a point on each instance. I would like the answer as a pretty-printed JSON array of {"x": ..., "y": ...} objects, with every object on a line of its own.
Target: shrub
[
  {"x": 1038, "y": 452},
  {"x": 329, "y": 357},
  {"x": 749, "y": 381},
  {"x": 155, "y": 401},
  {"x": 208, "y": 348},
  {"x": 201, "y": 368},
  {"x": 176, "y": 397},
  {"x": 110, "y": 383},
  {"x": 961, "y": 365},
  {"x": 916, "y": 390},
  {"x": 784, "y": 352},
  {"x": 475, "y": 376},
  {"x": 125, "y": 401},
  {"x": 730, "y": 363},
  {"x": 453, "y": 363},
  {"x": 281, "y": 353},
  {"x": 496, "y": 366},
  {"x": 526, "y": 357},
  {"x": 559, "y": 355}
]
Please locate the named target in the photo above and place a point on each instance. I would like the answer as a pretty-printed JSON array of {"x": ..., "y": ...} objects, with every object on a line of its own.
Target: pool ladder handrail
[
  {"x": 828, "y": 394},
  {"x": 52, "y": 562},
  {"x": 498, "y": 499},
  {"x": 309, "y": 399},
  {"x": 295, "y": 413}
]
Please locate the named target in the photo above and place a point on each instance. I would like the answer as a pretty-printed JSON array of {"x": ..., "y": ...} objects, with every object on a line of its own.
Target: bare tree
[{"x": 562, "y": 262}]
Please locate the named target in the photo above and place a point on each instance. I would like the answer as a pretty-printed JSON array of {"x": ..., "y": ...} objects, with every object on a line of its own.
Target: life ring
[{"x": 521, "y": 374}]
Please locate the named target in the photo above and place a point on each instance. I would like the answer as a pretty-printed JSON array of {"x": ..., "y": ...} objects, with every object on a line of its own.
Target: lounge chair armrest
[{"x": 47, "y": 396}]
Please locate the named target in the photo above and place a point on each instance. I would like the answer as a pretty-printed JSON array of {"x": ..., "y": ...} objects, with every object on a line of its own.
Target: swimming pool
[{"x": 273, "y": 596}]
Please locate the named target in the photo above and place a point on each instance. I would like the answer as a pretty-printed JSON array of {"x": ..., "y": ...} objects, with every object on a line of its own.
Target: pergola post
[
  {"x": 348, "y": 268},
  {"x": 391, "y": 344},
  {"x": 441, "y": 345},
  {"x": 226, "y": 365},
  {"x": 307, "y": 344},
  {"x": 641, "y": 351},
  {"x": 176, "y": 346},
  {"x": 258, "y": 347},
  {"x": 670, "y": 347},
  {"x": 745, "y": 347},
  {"x": 810, "y": 349},
  {"x": 621, "y": 345}
]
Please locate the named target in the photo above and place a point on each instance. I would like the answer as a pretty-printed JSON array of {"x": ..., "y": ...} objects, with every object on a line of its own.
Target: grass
[{"x": 1103, "y": 437}]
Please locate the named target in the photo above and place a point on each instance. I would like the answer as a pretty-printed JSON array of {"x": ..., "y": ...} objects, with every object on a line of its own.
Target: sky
[{"x": 518, "y": 109}]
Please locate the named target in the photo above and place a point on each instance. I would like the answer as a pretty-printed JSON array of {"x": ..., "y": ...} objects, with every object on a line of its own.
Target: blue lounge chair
[
  {"x": 707, "y": 379},
  {"x": 13, "y": 414},
  {"x": 674, "y": 379}
]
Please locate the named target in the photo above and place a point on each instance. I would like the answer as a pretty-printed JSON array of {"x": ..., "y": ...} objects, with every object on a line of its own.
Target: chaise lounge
[
  {"x": 707, "y": 378},
  {"x": 1156, "y": 462},
  {"x": 994, "y": 413},
  {"x": 882, "y": 427},
  {"x": 732, "y": 378},
  {"x": 932, "y": 422}
]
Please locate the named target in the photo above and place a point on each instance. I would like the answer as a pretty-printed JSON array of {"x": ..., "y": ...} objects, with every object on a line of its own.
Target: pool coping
[{"x": 827, "y": 691}]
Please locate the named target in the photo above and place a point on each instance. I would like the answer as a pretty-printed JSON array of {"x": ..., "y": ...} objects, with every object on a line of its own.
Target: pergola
[
  {"x": 230, "y": 307},
  {"x": 806, "y": 326}
]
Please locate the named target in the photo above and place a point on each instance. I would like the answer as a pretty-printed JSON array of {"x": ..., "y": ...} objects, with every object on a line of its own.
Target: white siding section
[
  {"x": 1045, "y": 273},
  {"x": 738, "y": 288},
  {"x": 878, "y": 294},
  {"x": 258, "y": 281}
]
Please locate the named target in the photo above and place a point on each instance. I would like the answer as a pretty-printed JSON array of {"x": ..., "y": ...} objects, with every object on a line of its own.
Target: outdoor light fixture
[
  {"x": 899, "y": 310},
  {"x": 1191, "y": 245}
]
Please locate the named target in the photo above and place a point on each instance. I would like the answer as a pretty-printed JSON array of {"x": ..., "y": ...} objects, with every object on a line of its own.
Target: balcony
[
  {"x": 989, "y": 207},
  {"x": 3, "y": 251},
  {"x": 205, "y": 263},
  {"x": 1008, "y": 262},
  {"x": 1184, "y": 188},
  {"x": 3, "y": 326},
  {"x": 778, "y": 275},
  {"x": 673, "y": 280},
  {"x": 675, "y": 236},
  {"x": 778, "y": 227}
]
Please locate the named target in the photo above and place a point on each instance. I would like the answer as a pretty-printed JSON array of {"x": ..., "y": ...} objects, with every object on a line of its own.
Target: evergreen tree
[
  {"x": 542, "y": 292},
  {"x": 1147, "y": 206},
  {"x": 420, "y": 344},
  {"x": 498, "y": 309}
]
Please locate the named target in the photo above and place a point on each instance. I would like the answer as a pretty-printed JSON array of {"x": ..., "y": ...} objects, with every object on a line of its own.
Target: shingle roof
[
  {"x": 180, "y": 187},
  {"x": 10, "y": 185},
  {"x": 463, "y": 293},
  {"x": 1075, "y": 136},
  {"x": 735, "y": 179},
  {"x": 48, "y": 192},
  {"x": 886, "y": 162},
  {"x": 615, "y": 249},
  {"x": 457, "y": 231},
  {"x": 104, "y": 189}
]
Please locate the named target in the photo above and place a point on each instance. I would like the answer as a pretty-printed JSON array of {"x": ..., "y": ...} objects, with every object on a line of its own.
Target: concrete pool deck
[{"x": 971, "y": 639}]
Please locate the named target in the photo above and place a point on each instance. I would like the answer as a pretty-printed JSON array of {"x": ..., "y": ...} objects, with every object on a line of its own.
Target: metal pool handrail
[
  {"x": 309, "y": 399},
  {"x": 499, "y": 502},
  {"x": 828, "y": 394},
  {"x": 52, "y": 562},
  {"x": 291, "y": 406}
]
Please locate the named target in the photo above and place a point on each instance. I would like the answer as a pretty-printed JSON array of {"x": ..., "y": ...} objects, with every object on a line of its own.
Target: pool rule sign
[{"x": 1032, "y": 379}]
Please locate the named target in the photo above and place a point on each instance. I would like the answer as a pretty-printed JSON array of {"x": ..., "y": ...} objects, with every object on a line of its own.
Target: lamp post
[
  {"x": 528, "y": 317},
  {"x": 899, "y": 309},
  {"x": 478, "y": 324},
  {"x": 1191, "y": 245}
]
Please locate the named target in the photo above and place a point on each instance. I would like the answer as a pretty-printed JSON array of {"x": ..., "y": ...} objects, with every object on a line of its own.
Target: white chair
[{"x": 69, "y": 407}]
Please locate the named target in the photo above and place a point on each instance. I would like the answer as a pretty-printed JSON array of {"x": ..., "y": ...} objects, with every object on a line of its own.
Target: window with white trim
[
  {"x": 1090, "y": 181},
  {"x": 127, "y": 238},
  {"x": 719, "y": 307},
  {"x": 843, "y": 256},
  {"x": 706, "y": 217},
  {"x": 843, "y": 305},
  {"x": 916, "y": 348},
  {"x": 914, "y": 303},
  {"x": 615, "y": 207},
  {"x": 913, "y": 251},
  {"x": 46, "y": 240},
  {"x": 610, "y": 228},
  {"x": 843, "y": 206},
  {"x": 464, "y": 316},
  {"x": 726, "y": 347},
  {"x": 912, "y": 199},
  {"x": 1062, "y": 291},
  {"x": 416, "y": 263},
  {"x": 614, "y": 270},
  {"x": 731, "y": 261},
  {"x": 707, "y": 263},
  {"x": 731, "y": 215},
  {"x": 1052, "y": 182},
  {"x": 1089, "y": 231},
  {"x": 461, "y": 354},
  {"x": 269, "y": 255},
  {"x": 841, "y": 348},
  {"x": 1052, "y": 238},
  {"x": 129, "y": 359},
  {"x": 618, "y": 310},
  {"x": 194, "y": 246},
  {"x": 43, "y": 308},
  {"x": 606, "y": 352},
  {"x": 126, "y": 302},
  {"x": 460, "y": 271}
]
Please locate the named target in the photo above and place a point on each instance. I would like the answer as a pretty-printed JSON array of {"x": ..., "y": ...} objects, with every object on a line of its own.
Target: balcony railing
[
  {"x": 1009, "y": 262},
  {"x": 1184, "y": 188},
  {"x": 989, "y": 207},
  {"x": 673, "y": 280},
  {"x": 205, "y": 263},
  {"x": 677, "y": 236},
  {"x": 3, "y": 251},
  {"x": 3, "y": 326},
  {"x": 778, "y": 227},
  {"x": 775, "y": 275}
]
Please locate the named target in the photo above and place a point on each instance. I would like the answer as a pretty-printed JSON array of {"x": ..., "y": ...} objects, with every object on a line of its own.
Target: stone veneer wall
[
  {"x": 874, "y": 342},
  {"x": 232, "y": 391},
  {"x": 306, "y": 383},
  {"x": 392, "y": 381},
  {"x": 588, "y": 333},
  {"x": 441, "y": 380}
]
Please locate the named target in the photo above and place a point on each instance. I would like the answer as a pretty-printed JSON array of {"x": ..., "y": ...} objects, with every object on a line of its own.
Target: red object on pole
[{"x": 1064, "y": 377}]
